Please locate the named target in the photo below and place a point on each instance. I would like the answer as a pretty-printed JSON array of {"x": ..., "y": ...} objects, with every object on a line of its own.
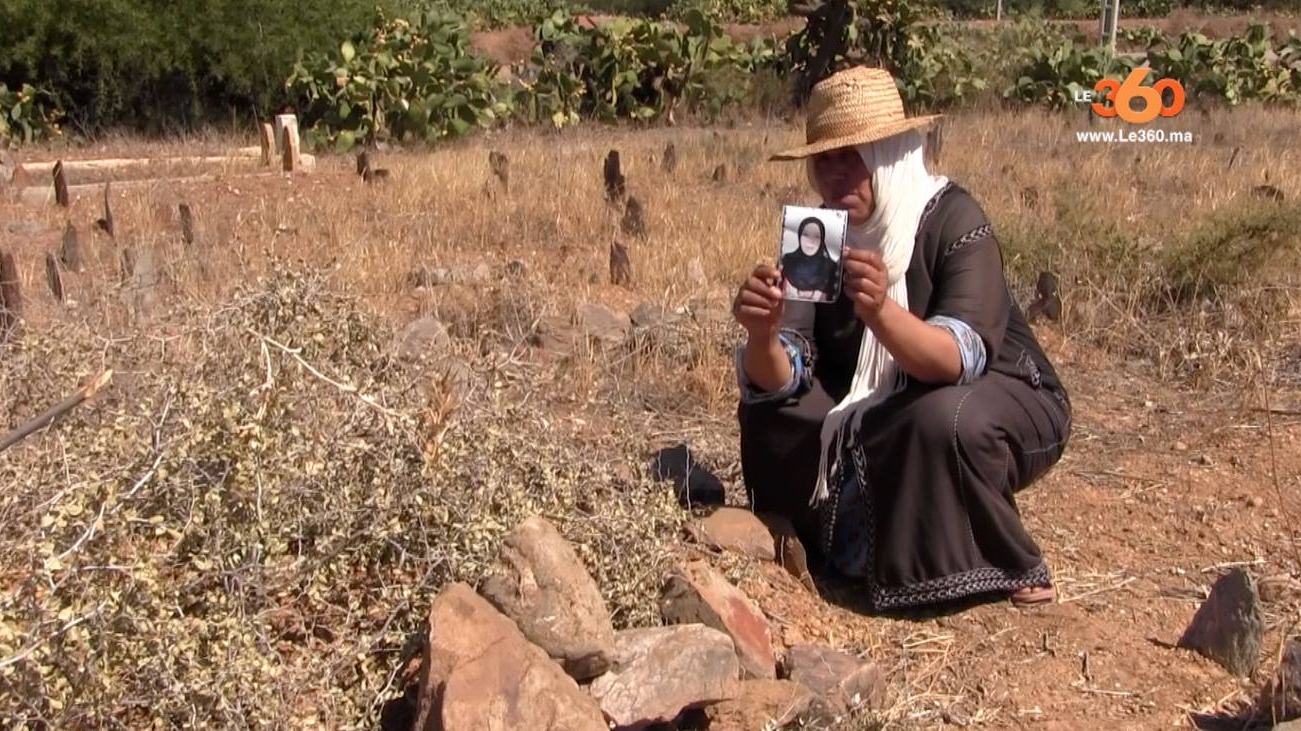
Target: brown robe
[{"x": 932, "y": 517}]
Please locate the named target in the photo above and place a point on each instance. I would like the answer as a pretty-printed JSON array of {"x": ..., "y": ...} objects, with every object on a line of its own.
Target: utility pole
[
  {"x": 1108, "y": 24},
  {"x": 1115, "y": 23}
]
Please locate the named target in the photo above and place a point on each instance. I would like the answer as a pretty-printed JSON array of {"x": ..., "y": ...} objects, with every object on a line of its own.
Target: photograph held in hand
[{"x": 810, "y": 255}]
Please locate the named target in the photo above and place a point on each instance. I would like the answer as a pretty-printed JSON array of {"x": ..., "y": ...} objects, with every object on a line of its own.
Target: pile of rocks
[{"x": 535, "y": 649}]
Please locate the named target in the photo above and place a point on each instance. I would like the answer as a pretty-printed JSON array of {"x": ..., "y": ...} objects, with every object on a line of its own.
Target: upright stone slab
[
  {"x": 698, "y": 594},
  {"x": 480, "y": 673},
  {"x": 1229, "y": 627},
  {"x": 539, "y": 581}
]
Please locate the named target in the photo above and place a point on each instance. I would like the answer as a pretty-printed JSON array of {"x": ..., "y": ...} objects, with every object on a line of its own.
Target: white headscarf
[{"x": 901, "y": 187}]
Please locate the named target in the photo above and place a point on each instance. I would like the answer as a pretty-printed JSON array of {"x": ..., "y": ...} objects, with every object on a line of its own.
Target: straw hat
[{"x": 850, "y": 108}]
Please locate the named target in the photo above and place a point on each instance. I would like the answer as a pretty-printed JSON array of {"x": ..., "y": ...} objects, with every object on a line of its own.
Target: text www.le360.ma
[{"x": 1124, "y": 137}]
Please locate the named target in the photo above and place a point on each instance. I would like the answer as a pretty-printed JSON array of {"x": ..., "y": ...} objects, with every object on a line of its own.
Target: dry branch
[
  {"x": 68, "y": 404},
  {"x": 343, "y": 387}
]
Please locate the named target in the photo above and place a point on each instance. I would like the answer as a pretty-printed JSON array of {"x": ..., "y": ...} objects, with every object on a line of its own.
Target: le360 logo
[{"x": 1112, "y": 98}]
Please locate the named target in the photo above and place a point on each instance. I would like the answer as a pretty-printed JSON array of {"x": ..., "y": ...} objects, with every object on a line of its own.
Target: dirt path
[
  {"x": 514, "y": 45},
  {"x": 1214, "y": 26},
  {"x": 509, "y": 46}
]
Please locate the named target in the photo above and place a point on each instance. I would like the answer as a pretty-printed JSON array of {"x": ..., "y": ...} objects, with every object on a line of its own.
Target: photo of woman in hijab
[{"x": 809, "y": 267}]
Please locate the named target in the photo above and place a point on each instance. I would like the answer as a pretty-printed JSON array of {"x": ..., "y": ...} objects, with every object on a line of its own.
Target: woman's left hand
[{"x": 866, "y": 281}]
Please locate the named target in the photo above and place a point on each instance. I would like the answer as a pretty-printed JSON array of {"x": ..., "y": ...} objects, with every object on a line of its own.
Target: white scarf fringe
[{"x": 901, "y": 187}]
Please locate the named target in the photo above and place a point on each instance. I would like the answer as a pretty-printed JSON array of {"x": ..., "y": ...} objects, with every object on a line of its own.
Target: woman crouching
[{"x": 894, "y": 425}]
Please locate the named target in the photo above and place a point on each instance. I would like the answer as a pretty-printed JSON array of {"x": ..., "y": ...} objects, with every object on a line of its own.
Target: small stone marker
[
  {"x": 267, "y": 135},
  {"x": 60, "y": 185},
  {"x": 11, "y": 297},
  {"x": 106, "y": 223},
  {"x": 70, "y": 249},
  {"x": 1229, "y": 627},
  {"x": 620, "y": 265},
  {"x": 616, "y": 187},
  {"x": 53, "y": 276},
  {"x": 287, "y": 136},
  {"x": 187, "y": 224},
  {"x": 669, "y": 162}
]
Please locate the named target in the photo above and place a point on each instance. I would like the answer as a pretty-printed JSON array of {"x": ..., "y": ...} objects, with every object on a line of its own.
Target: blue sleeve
[
  {"x": 970, "y": 346},
  {"x": 797, "y": 348}
]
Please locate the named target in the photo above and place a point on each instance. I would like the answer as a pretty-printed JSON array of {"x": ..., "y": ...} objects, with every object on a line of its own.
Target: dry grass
[{"x": 242, "y": 542}]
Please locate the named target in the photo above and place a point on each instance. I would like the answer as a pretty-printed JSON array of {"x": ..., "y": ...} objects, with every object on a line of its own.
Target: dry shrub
[{"x": 253, "y": 510}]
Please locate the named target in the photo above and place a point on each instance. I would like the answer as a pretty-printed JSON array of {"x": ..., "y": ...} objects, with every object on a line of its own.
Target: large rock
[
  {"x": 603, "y": 324},
  {"x": 1229, "y": 627},
  {"x": 1281, "y": 698},
  {"x": 662, "y": 671},
  {"x": 478, "y": 672},
  {"x": 846, "y": 682},
  {"x": 737, "y": 530},
  {"x": 421, "y": 338},
  {"x": 515, "y": 686},
  {"x": 698, "y": 594},
  {"x": 540, "y": 582},
  {"x": 694, "y": 484},
  {"x": 650, "y": 315},
  {"x": 761, "y": 704}
]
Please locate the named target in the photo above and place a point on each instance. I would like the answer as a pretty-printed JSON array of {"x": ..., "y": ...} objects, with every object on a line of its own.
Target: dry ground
[{"x": 1173, "y": 470}]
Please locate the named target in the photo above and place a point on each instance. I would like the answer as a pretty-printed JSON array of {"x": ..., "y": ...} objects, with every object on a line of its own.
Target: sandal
[{"x": 1031, "y": 596}]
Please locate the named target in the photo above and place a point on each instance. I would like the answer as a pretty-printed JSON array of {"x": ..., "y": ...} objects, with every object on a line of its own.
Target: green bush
[
  {"x": 162, "y": 66},
  {"x": 1233, "y": 69},
  {"x": 634, "y": 69},
  {"x": 492, "y": 14},
  {"x": 1244, "y": 244},
  {"x": 1055, "y": 74},
  {"x": 731, "y": 11},
  {"x": 27, "y": 115},
  {"x": 933, "y": 69},
  {"x": 403, "y": 80}
]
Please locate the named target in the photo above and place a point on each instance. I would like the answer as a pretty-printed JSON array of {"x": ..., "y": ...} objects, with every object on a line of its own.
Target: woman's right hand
[{"x": 759, "y": 303}]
